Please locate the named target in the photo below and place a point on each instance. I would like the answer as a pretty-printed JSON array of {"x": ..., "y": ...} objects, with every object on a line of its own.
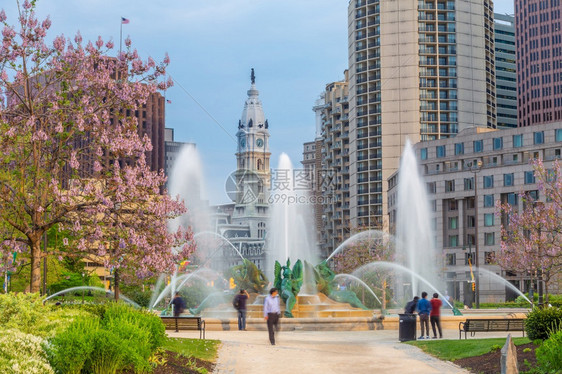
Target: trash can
[{"x": 407, "y": 327}]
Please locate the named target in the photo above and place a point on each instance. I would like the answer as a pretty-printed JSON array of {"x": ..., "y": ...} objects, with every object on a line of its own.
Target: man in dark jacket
[
  {"x": 178, "y": 305},
  {"x": 411, "y": 305},
  {"x": 240, "y": 305}
]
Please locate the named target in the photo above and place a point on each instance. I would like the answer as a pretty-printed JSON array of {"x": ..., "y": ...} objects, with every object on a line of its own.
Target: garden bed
[{"x": 489, "y": 363}]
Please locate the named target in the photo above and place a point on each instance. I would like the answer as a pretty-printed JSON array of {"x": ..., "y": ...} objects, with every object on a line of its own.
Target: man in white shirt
[{"x": 271, "y": 312}]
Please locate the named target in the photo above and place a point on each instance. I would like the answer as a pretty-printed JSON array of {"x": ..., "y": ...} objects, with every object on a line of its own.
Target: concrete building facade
[
  {"x": 469, "y": 174},
  {"x": 421, "y": 70},
  {"x": 539, "y": 61},
  {"x": 172, "y": 150},
  {"x": 506, "y": 70}
]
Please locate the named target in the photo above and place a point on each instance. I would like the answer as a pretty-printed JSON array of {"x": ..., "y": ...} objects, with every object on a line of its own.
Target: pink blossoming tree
[
  {"x": 71, "y": 157},
  {"x": 532, "y": 238},
  {"x": 364, "y": 251}
]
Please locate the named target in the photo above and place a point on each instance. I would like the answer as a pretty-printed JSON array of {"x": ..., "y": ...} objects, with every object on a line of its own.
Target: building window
[
  {"x": 453, "y": 205},
  {"x": 459, "y": 148},
  {"x": 488, "y": 258},
  {"x": 470, "y": 239},
  {"x": 489, "y": 238},
  {"x": 488, "y": 201},
  {"x": 498, "y": 144},
  {"x": 508, "y": 180},
  {"x": 538, "y": 137},
  {"x": 558, "y": 135},
  {"x": 478, "y": 146},
  {"x": 470, "y": 221},
  {"x": 469, "y": 258},
  {"x": 489, "y": 181},
  {"x": 451, "y": 259},
  {"x": 469, "y": 203},
  {"x": 489, "y": 219},
  {"x": 450, "y": 186},
  {"x": 440, "y": 150},
  {"x": 431, "y": 188},
  {"x": 533, "y": 195},
  {"x": 468, "y": 184},
  {"x": 511, "y": 199},
  {"x": 434, "y": 206},
  {"x": 423, "y": 153},
  {"x": 529, "y": 177},
  {"x": 453, "y": 223},
  {"x": 517, "y": 141},
  {"x": 453, "y": 240}
]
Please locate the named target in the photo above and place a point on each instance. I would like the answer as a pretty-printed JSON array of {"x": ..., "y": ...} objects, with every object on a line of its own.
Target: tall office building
[
  {"x": 506, "y": 73},
  {"x": 421, "y": 70},
  {"x": 539, "y": 61},
  {"x": 172, "y": 149},
  {"x": 336, "y": 225}
]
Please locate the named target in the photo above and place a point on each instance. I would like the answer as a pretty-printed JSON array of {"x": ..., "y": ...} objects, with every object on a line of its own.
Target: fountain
[
  {"x": 91, "y": 288},
  {"x": 414, "y": 233},
  {"x": 292, "y": 231}
]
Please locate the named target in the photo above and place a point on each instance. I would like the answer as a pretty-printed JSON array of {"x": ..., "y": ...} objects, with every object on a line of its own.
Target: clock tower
[
  {"x": 252, "y": 155},
  {"x": 244, "y": 221}
]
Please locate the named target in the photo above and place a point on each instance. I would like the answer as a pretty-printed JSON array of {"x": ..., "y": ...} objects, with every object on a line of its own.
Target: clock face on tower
[
  {"x": 259, "y": 143},
  {"x": 243, "y": 143}
]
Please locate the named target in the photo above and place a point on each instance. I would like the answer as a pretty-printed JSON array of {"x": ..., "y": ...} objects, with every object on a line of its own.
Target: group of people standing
[{"x": 428, "y": 310}]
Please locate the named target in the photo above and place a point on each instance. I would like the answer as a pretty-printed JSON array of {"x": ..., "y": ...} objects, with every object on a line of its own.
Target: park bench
[
  {"x": 492, "y": 324},
  {"x": 185, "y": 323}
]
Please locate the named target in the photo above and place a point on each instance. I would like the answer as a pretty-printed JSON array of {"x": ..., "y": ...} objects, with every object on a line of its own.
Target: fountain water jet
[
  {"x": 414, "y": 232},
  {"x": 291, "y": 233},
  {"x": 92, "y": 288},
  {"x": 367, "y": 235},
  {"x": 403, "y": 269},
  {"x": 354, "y": 278},
  {"x": 504, "y": 281}
]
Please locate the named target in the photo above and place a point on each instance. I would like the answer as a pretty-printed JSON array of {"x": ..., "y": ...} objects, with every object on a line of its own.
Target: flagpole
[{"x": 120, "y": 37}]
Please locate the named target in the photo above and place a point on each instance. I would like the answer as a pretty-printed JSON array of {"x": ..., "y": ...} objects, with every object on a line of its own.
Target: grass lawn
[
  {"x": 451, "y": 350},
  {"x": 198, "y": 348}
]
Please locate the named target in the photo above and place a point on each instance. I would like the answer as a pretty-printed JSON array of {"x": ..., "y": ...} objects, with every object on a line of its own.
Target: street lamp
[
  {"x": 83, "y": 275},
  {"x": 475, "y": 169},
  {"x": 470, "y": 263}
]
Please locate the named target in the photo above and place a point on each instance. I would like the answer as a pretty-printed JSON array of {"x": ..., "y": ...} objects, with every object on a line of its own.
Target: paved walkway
[{"x": 298, "y": 352}]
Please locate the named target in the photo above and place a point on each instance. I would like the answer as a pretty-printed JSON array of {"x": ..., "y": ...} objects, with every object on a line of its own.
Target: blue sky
[{"x": 295, "y": 46}]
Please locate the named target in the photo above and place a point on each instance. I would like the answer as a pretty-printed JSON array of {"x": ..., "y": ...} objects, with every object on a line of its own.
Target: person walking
[
  {"x": 424, "y": 308},
  {"x": 240, "y": 305},
  {"x": 435, "y": 315},
  {"x": 271, "y": 312},
  {"x": 178, "y": 305}
]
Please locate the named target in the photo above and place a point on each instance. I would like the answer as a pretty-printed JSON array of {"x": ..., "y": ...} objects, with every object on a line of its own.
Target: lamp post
[
  {"x": 475, "y": 169},
  {"x": 470, "y": 262},
  {"x": 83, "y": 288}
]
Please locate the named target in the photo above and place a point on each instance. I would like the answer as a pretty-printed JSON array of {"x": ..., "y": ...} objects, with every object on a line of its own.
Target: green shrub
[
  {"x": 135, "y": 341},
  {"x": 539, "y": 321},
  {"x": 69, "y": 350},
  {"x": 458, "y": 304},
  {"x": 21, "y": 311},
  {"x": 549, "y": 354},
  {"x": 143, "y": 319},
  {"x": 22, "y": 353},
  {"x": 109, "y": 355}
]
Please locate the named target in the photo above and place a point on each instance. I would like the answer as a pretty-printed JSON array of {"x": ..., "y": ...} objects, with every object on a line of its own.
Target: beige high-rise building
[
  {"x": 418, "y": 70},
  {"x": 328, "y": 156}
]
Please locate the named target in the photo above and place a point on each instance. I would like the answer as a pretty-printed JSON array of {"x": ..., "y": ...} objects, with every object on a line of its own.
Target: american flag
[
  {"x": 169, "y": 101},
  {"x": 124, "y": 21}
]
